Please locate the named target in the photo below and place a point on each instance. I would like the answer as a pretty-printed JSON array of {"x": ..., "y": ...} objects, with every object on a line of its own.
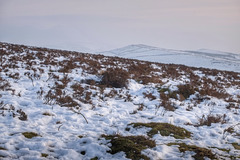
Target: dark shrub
[
  {"x": 166, "y": 103},
  {"x": 186, "y": 90},
  {"x": 115, "y": 78},
  {"x": 22, "y": 115}
]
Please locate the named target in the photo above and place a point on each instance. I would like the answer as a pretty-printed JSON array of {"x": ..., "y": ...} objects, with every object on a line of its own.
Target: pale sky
[{"x": 107, "y": 24}]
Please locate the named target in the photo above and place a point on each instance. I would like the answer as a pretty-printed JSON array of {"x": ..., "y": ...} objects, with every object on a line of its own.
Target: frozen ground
[
  {"x": 200, "y": 58},
  {"x": 58, "y": 96}
]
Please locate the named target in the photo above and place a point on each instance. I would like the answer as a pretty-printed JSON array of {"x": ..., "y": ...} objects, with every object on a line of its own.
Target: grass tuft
[
  {"x": 44, "y": 155},
  {"x": 165, "y": 129},
  {"x": 47, "y": 114},
  {"x": 222, "y": 149},
  {"x": 80, "y": 136},
  {"x": 236, "y": 146},
  {"x": 1, "y": 148},
  {"x": 29, "y": 135},
  {"x": 201, "y": 153},
  {"x": 131, "y": 145}
]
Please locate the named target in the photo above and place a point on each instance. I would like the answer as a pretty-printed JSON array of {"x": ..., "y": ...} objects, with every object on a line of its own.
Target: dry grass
[{"x": 209, "y": 119}]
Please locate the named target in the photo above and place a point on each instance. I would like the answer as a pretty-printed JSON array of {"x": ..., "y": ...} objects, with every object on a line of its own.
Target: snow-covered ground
[
  {"x": 34, "y": 83},
  {"x": 200, "y": 58}
]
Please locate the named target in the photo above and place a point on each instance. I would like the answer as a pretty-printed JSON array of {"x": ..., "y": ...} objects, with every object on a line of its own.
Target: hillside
[
  {"x": 57, "y": 104},
  {"x": 200, "y": 58}
]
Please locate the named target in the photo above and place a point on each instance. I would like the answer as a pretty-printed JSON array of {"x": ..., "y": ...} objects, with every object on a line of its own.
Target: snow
[{"x": 58, "y": 133}]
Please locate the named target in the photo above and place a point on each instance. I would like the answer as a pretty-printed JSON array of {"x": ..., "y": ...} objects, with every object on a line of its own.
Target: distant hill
[{"x": 200, "y": 58}]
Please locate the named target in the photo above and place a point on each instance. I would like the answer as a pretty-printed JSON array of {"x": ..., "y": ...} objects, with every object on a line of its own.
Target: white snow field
[
  {"x": 200, "y": 58},
  {"x": 67, "y": 105}
]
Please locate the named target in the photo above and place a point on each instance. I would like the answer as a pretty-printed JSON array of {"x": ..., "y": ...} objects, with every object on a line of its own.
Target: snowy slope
[
  {"x": 55, "y": 105},
  {"x": 200, "y": 58}
]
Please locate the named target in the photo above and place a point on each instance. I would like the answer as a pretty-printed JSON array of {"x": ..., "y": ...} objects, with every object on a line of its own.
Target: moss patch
[
  {"x": 95, "y": 158},
  {"x": 236, "y": 146},
  {"x": 131, "y": 145},
  {"x": 44, "y": 155},
  {"x": 29, "y": 135},
  {"x": 165, "y": 129},
  {"x": 200, "y": 152}
]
